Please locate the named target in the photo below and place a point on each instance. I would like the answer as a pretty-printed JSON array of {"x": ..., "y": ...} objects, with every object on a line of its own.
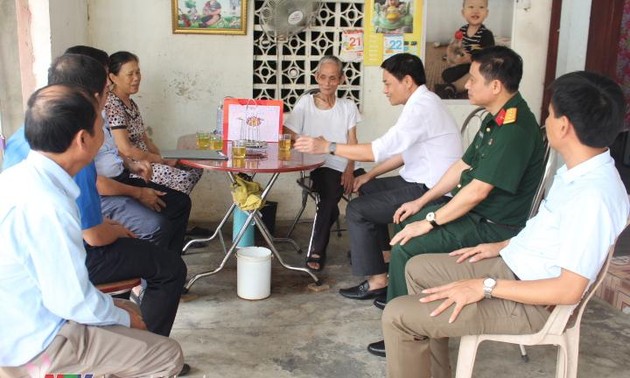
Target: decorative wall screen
[{"x": 300, "y": 54}]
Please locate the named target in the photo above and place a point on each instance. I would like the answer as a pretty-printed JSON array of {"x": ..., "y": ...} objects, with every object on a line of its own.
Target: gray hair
[{"x": 330, "y": 59}]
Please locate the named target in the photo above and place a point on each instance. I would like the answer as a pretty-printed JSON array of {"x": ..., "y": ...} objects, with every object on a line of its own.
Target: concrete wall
[
  {"x": 185, "y": 76},
  {"x": 11, "y": 109},
  {"x": 69, "y": 23}
]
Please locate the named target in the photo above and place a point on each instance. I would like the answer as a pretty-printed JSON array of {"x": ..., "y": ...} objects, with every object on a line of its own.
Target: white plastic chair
[
  {"x": 469, "y": 130},
  {"x": 561, "y": 329}
]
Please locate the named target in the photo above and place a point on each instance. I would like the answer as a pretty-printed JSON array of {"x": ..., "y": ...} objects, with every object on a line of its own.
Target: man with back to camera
[
  {"x": 552, "y": 261},
  {"x": 425, "y": 141},
  {"x": 54, "y": 320}
]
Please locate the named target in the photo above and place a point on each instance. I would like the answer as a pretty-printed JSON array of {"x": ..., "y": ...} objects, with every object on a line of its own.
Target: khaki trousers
[
  {"x": 111, "y": 351},
  {"x": 417, "y": 343}
]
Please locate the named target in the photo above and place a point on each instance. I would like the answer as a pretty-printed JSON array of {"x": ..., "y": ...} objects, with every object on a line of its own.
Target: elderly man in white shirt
[
  {"x": 325, "y": 114},
  {"x": 552, "y": 261},
  {"x": 425, "y": 142},
  {"x": 54, "y": 320}
]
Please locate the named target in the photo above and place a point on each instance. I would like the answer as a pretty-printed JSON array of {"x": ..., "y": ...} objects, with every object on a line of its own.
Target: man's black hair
[
  {"x": 500, "y": 63},
  {"x": 401, "y": 65},
  {"x": 593, "y": 103},
  {"x": 78, "y": 69},
  {"x": 56, "y": 113}
]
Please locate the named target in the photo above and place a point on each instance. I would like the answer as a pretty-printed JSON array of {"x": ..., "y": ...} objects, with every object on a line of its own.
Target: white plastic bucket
[{"x": 253, "y": 271}]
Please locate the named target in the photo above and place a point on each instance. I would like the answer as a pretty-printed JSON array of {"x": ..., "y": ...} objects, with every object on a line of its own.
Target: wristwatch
[
  {"x": 431, "y": 219},
  {"x": 488, "y": 285},
  {"x": 332, "y": 147}
]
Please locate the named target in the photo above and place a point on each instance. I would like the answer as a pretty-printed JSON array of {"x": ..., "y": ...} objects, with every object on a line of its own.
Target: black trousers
[
  {"x": 368, "y": 216},
  {"x": 166, "y": 228},
  {"x": 164, "y": 272},
  {"x": 327, "y": 183},
  {"x": 452, "y": 74}
]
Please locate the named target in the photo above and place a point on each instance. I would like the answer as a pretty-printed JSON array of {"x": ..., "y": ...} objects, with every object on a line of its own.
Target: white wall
[
  {"x": 41, "y": 39},
  {"x": 574, "y": 26},
  {"x": 11, "y": 109},
  {"x": 69, "y": 24},
  {"x": 185, "y": 76}
]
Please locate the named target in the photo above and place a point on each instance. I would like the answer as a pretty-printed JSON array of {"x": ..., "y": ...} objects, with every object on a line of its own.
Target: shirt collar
[
  {"x": 421, "y": 90},
  {"x": 513, "y": 102},
  {"x": 57, "y": 175},
  {"x": 592, "y": 164}
]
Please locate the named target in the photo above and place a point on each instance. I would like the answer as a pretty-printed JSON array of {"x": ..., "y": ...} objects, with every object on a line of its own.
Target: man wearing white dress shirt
[
  {"x": 425, "y": 141},
  {"x": 53, "y": 319}
]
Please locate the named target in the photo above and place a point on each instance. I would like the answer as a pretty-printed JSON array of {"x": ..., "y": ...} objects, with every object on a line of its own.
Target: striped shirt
[{"x": 482, "y": 38}]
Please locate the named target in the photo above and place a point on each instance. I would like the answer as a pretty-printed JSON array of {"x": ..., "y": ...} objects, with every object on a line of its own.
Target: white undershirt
[{"x": 333, "y": 124}]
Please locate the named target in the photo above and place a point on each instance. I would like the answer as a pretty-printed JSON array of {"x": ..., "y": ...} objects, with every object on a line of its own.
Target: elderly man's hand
[
  {"x": 311, "y": 145},
  {"x": 359, "y": 181},
  {"x": 347, "y": 181}
]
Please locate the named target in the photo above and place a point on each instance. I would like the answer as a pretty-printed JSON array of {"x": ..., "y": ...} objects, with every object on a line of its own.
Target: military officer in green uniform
[{"x": 493, "y": 184}]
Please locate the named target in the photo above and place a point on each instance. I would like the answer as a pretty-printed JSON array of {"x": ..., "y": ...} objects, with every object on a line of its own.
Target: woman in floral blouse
[{"x": 128, "y": 128}]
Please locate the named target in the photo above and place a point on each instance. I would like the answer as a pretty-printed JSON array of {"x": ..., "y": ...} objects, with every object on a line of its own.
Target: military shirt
[{"x": 507, "y": 153}]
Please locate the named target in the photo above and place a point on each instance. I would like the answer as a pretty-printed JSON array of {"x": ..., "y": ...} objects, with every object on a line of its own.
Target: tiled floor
[{"x": 297, "y": 332}]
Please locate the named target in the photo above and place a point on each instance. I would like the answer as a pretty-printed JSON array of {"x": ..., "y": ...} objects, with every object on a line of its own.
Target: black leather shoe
[
  {"x": 377, "y": 348},
  {"x": 362, "y": 291},
  {"x": 185, "y": 370},
  {"x": 380, "y": 301}
]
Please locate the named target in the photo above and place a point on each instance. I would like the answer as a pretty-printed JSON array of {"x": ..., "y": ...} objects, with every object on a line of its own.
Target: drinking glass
[
  {"x": 284, "y": 142},
  {"x": 216, "y": 142},
  {"x": 238, "y": 149},
  {"x": 203, "y": 140}
]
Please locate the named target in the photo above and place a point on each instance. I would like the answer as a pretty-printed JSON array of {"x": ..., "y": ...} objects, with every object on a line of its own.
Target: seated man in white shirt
[
  {"x": 425, "y": 141},
  {"x": 552, "y": 261},
  {"x": 54, "y": 320},
  {"x": 335, "y": 119}
]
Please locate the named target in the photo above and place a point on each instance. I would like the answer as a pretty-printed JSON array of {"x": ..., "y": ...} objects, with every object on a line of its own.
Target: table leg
[
  {"x": 251, "y": 215},
  {"x": 227, "y": 254},
  {"x": 269, "y": 239},
  {"x": 214, "y": 235}
]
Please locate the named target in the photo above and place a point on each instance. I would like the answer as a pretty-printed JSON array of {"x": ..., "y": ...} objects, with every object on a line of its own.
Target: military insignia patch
[
  {"x": 500, "y": 118},
  {"x": 510, "y": 116}
]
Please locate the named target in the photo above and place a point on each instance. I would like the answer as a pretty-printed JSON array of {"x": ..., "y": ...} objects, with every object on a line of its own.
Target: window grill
[{"x": 301, "y": 52}]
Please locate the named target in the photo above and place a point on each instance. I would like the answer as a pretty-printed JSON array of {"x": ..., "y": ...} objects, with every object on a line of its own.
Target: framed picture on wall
[
  {"x": 209, "y": 16},
  {"x": 446, "y": 58}
]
